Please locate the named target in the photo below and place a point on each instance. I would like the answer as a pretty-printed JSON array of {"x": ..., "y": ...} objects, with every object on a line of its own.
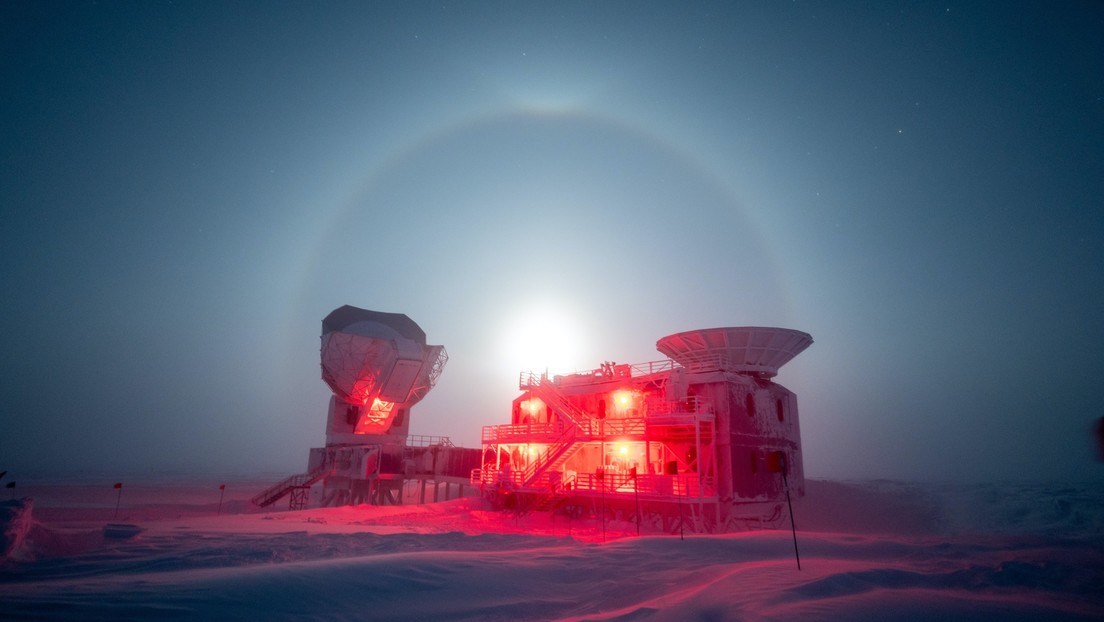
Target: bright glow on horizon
[{"x": 543, "y": 337}]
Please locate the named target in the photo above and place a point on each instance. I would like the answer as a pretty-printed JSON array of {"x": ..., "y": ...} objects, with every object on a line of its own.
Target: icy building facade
[{"x": 705, "y": 438}]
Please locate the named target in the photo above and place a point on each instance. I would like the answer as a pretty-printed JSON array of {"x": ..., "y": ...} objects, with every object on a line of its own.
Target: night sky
[{"x": 188, "y": 188}]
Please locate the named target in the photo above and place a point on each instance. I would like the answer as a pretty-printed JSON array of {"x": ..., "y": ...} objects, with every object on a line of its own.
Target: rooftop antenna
[{"x": 751, "y": 350}]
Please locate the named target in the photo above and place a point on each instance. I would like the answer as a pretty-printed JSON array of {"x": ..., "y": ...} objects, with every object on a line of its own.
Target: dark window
[
  {"x": 780, "y": 408},
  {"x": 750, "y": 404}
]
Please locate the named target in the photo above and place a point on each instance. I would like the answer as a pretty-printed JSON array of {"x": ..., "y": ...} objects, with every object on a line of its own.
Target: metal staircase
[
  {"x": 543, "y": 388},
  {"x": 555, "y": 454},
  {"x": 295, "y": 486},
  {"x": 578, "y": 424}
]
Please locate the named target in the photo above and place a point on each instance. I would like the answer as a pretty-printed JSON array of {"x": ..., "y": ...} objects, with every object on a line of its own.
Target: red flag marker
[{"x": 118, "y": 486}]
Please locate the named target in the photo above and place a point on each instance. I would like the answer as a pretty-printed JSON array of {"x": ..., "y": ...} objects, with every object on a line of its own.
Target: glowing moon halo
[{"x": 542, "y": 338}]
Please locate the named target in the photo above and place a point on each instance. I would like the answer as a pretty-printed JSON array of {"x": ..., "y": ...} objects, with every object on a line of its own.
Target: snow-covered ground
[{"x": 873, "y": 550}]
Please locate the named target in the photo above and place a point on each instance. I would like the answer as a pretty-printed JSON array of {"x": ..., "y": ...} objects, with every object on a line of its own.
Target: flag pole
[
  {"x": 793, "y": 527},
  {"x": 118, "y": 498},
  {"x": 636, "y": 492},
  {"x": 682, "y": 536},
  {"x": 602, "y": 483}
]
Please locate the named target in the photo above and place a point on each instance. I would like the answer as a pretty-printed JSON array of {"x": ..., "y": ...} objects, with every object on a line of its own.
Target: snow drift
[{"x": 869, "y": 551}]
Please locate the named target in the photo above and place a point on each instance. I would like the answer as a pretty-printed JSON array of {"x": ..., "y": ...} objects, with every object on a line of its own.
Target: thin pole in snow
[
  {"x": 793, "y": 527},
  {"x": 118, "y": 498},
  {"x": 222, "y": 493},
  {"x": 602, "y": 483},
  {"x": 636, "y": 492},
  {"x": 681, "y": 536}
]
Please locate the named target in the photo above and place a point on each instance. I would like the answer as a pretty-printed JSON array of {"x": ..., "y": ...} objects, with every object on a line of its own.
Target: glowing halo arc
[{"x": 424, "y": 143}]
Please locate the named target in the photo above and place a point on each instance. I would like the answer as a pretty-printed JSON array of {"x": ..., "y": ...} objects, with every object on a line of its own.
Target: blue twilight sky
[{"x": 188, "y": 188}]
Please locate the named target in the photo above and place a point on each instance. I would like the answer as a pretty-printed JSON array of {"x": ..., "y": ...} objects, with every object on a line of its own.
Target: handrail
[
  {"x": 497, "y": 433},
  {"x": 528, "y": 379},
  {"x": 546, "y": 390},
  {"x": 554, "y": 450},
  {"x": 693, "y": 404},
  {"x": 652, "y": 367},
  {"x": 687, "y": 485},
  {"x": 277, "y": 491},
  {"x": 701, "y": 363},
  {"x": 419, "y": 440},
  {"x": 635, "y": 426}
]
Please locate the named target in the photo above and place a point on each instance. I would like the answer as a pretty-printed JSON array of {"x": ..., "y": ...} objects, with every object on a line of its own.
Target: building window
[
  {"x": 750, "y": 404},
  {"x": 780, "y": 408}
]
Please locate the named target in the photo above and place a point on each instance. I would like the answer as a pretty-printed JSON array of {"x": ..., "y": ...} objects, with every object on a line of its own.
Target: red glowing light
[{"x": 377, "y": 419}]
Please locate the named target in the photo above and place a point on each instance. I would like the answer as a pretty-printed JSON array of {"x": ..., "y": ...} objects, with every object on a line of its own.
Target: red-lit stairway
[
  {"x": 294, "y": 483},
  {"x": 578, "y": 424}
]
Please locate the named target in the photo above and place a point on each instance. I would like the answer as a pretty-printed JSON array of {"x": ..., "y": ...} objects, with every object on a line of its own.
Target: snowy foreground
[{"x": 869, "y": 551}]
